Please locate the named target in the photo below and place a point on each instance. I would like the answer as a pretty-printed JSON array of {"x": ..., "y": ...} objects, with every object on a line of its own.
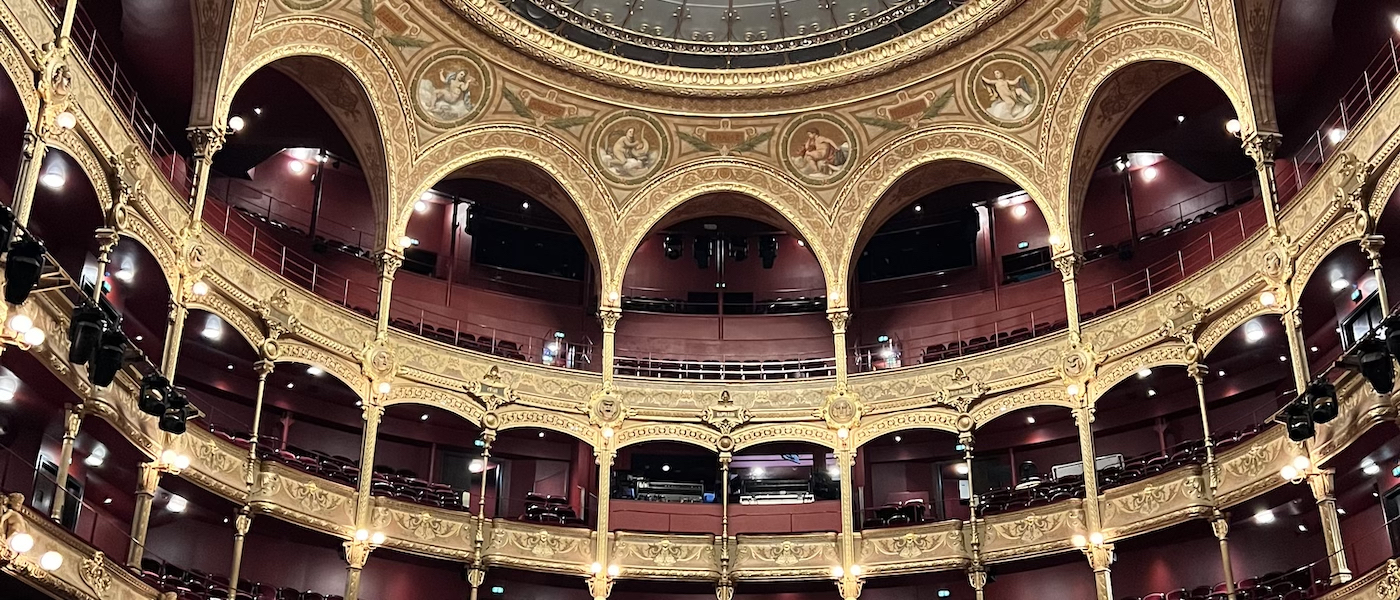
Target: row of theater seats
[
  {"x": 777, "y": 306},
  {"x": 503, "y": 348},
  {"x": 721, "y": 370},
  {"x": 1138, "y": 467},
  {"x": 193, "y": 584},
  {"x": 908, "y": 512},
  {"x": 1110, "y": 249},
  {"x": 554, "y": 510},
  {"x": 319, "y": 242},
  {"x": 937, "y": 352},
  {"x": 1298, "y": 584},
  {"x": 401, "y": 484}
]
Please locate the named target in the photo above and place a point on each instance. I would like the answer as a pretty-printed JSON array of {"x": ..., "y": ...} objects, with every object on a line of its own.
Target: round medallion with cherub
[
  {"x": 629, "y": 146},
  {"x": 1006, "y": 90},
  {"x": 451, "y": 88},
  {"x": 819, "y": 148}
]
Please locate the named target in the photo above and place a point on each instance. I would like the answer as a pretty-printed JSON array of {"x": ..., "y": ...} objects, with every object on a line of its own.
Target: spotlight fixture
[
  {"x": 154, "y": 387},
  {"x": 1371, "y": 358},
  {"x": 178, "y": 412},
  {"x": 1297, "y": 418},
  {"x": 108, "y": 358},
  {"x": 23, "y": 267},
  {"x": 768, "y": 250},
  {"x": 85, "y": 333},
  {"x": 1323, "y": 396},
  {"x": 738, "y": 248},
  {"x": 671, "y": 245}
]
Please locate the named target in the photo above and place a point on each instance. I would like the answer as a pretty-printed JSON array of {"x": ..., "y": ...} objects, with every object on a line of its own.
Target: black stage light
[
  {"x": 22, "y": 269},
  {"x": 1297, "y": 417},
  {"x": 739, "y": 248},
  {"x": 177, "y": 412},
  {"x": 108, "y": 359},
  {"x": 1324, "y": 401},
  {"x": 7, "y": 224},
  {"x": 768, "y": 250},
  {"x": 85, "y": 333},
  {"x": 671, "y": 244},
  {"x": 702, "y": 251},
  {"x": 154, "y": 388},
  {"x": 1392, "y": 335},
  {"x": 1376, "y": 365}
]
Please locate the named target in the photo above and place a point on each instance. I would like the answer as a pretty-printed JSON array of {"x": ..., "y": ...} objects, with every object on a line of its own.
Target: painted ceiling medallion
[
  {"x": 1006, "y": 90},
  {"x": 451, "y": 88},
  {"x": 819, "y": 149},
  {"x": 630, "y": 146}
]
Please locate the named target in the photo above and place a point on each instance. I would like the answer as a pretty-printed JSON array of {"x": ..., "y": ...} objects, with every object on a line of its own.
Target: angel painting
[
  {"x": 631, "y": 152},
  {"x": 450, "y": 97},
  {"x": 1011, "y": 99}
]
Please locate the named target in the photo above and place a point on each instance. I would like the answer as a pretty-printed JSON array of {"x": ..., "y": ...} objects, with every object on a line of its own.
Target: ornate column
[
  {"x": 840, "y": 318},
  {"x": 601, "y": 582},
  {"x": 976, "y": 570},
  {"x": 725, "y": 589},
  {"x": 356, "y": 554},
  {"x": 372, "y": 412},
  {"x": 174, "y": 330},
  {"x": 1297, "y": 354},
  {"x": 149, "y": 477},
  {"x": 1198, "y": 371},
  {"x": 1068, "y": 263},
  {"x": 389, "y": 262},
  {"x": 1099, "y": 553},
  {"x": 1260, "y": 146},
  {"x": 72, "y": 420},
  {"x": 1220, "y": 524},
  {"x": 264, "y": 368},
  {"x": 1322, "y": 482},
  {"x": 206, "y": 140},
  {"x": 476, "y": 575},
  {"x": 848, "y": 575},
  {"x": 1372, "y": 245},
  {"x": 609, "y": 315},
  {"x": 53, "y": 82},
  {"x": 241, "y": 523}
]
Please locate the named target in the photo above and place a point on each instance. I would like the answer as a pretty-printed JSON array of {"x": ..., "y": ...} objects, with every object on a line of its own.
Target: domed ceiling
[{"x": 730, "y": 34}]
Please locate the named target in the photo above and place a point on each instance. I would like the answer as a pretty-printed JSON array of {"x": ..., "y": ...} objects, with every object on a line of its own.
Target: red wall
[{"x": 795, "y": 272}]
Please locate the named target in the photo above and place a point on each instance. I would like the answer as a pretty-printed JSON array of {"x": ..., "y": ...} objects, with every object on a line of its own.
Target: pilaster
[{"x": 1322, "y": 483}]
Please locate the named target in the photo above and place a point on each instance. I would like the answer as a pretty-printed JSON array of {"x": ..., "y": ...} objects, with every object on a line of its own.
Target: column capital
[
  {"x": 147, "y": 478},
  {"x": 264, "y": 368},
  {"x": 357, "y": 553},
  {"x": 371, "y": 411},
  {"x": 207, "y": 140},
  {"x": 600, "y": 586},
  {"x": 840, "y": 318},
  {"x": 476, "y": 576},
  {"x": 388, "y": 263},
  {"x": 1100, "y": 556},
  {"x": 1323, "y": 484},
  {"x": 73, "y": 420},
  {"x": 242, "y": 522},
  {"x": 1261, "y": 146},
  {"x": 609, "y": 315},
  {"x": 1198, "y": 372},
  {"x": 1068, "y": 263},
  {"x": 1220, "y": 525}
]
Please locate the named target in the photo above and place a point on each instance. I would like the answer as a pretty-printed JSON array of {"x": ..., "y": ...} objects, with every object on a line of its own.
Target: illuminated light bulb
[
  {"x": 898, "y": 439},
  {"x": 21, "y": 323},
  {"x": 526, "y": 206},
  {"x": 843, "y": 433},
  {"x": 177, "y": 504},
  {"x": 614, "y": 570},
  {"x": 1267, "y": 298},
  {"x": 420, "y": 206},
  {"x": 377, "y": 539},
  {"x": 425, "y": 196},
  {"x": 1096, "y": 538},
  {"x": 1030, "y": 420},
  {"x": 405, "y": 241},
  {"x": 1072, "y": 389},
  {"x": 182, "y": 462},
  {"x": 595, "y": 568},
  {"x": 1301, "y": 463},
  {"x": 855, "y": 570},
  {"x": 384, "y": 387},
  {"x": 1079, "y": 541},
  {"x": 1054, "y": 240},
  {"x": 35, "y": 337},
  {"x": 1019, "y": 211},
  {"x": 361, "y": 535},
  {"x": 315, "y": 371},
  {"x": 1264, "y": 517},
  {"x": 1149, "y": 173},
  {"x": 612, "y": 296},
  {"x": 236, "y": 123},
  {"x": 1340, "y": 284},
  {"x": 1253, "y": 331},
  {"x": 1233, "y": 126},
  {"x": 1336, "y": 135},
  {"x": 53, "y": 179},
  {"x": 608, "y": 432},
  {"x": 1288, "y": 472},
  {"x": 960, "y": 468},
  {"x": 21, "y": 543},
  {"x": 168, "y": 457},
  {"x": 51, "y": 561},
  {"x": 296, "y": 167},
  {"x": 1144, "y": 373},
  {"x": 125, "y": 275},
  {"x": 199, "y": 288},
  {"x": 66, "y": 120},
  {"x": 838, "y": 572},
  {"x": 475, "y": 466}
]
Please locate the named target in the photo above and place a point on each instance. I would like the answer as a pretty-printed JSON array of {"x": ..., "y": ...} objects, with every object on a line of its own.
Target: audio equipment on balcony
[
  {"x": 776, "y": 491},
  {"x": 670, "y": 491},
  {"x": 1077, "y": 468}
]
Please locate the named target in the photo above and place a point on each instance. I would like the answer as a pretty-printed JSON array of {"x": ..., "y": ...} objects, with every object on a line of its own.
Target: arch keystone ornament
[
  {"x": 843, "y": 408},
  {"x": 492, "y": 391},
  {"x": 959, "y": 390},
  {"x": 1006, "y": 90},
  {"x": 606, "y": 409},
  {"x": 277, "y": 314},
  {"x": 725, "y": 417},
  {"x": 629, "y": 146},
  {"x": 451, "y": 88},
  {"x": 1078, "y": 365}
]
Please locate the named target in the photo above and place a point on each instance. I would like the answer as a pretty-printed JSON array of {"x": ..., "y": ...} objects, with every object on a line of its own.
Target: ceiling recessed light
[
  {"x": 420, "y": 206},
  {"x": 315, "y": 371},
  {"x": 898, "y": 439},
  {"x": 1151, "y": 392},
  {"x": 541, "y": 434},
  {"x": 296, "y": 167},
  {"x": 424, "y": 417},
  {"x": 1181, "y": 118},
  {"x": 176, "y": 504},
  {"x": 918, "y": 208},
  {"x": 1019, "y": 211},
  {"x": 1264, "y": 517},
  {"x": 106, "y": 500},
  {"x": 1282, "y": 358},
  {"x": 525, "y": 205},
  {"x": 230, "y": 367},
  {"x": 1144, "y": 373},
  {"x": 1341, "y": 511},
  {"x": 666, "y": 468},
  {"x": 1030, "y": 420},
  {"x": 140, "y": 338},
  {"x": 1313, "y": 348},
  {"x": 290, "y": 385}
]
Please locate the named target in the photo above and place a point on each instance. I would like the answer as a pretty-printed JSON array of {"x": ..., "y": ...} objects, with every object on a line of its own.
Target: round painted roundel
[
  {"x": 1006, "y": 90},
  {"x": 451, "y": 88}
]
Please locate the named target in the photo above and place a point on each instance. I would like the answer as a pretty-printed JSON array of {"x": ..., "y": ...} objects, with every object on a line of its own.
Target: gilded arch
[
  {"x": 631, "y": 434},
  {"x": 426, "y": 395},
  {"x": 516, "y": 417},
  {"x": 290, "y": 351},
  {"x": 935, "y": 419},
  {"x": 1215, "y": 333},
  {"x": 379, "y": 86},
  {"x": 821, "y": 435},
  {"x": 650, "y": 205},
  {"x": 1107, "y": 54},
  {"x": 542, "y": 150},
  {"x": 1169, "y": 354},
  {"x": 77, "y": 148},
  {"x": 1052, "y": 394}
]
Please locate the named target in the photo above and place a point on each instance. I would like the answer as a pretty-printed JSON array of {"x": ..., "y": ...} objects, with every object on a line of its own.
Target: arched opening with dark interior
[
  {"x": 1017, "y": 455},
  {"x": 952, "y": 261},
  {"x": 710, "y": 294},
  {"x": 542, "y": 476},
  {"x": 784, "y": 487},
  {"x": 498, "y": 259},
  {"x": 1160, "y": 188},
  {"x": 666, "y": 487},
  {"x": 911, "y": 477}
]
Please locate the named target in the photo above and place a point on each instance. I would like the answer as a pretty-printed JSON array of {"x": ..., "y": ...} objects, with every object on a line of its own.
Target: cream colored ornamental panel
[{"x": 666, "y": 556}]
